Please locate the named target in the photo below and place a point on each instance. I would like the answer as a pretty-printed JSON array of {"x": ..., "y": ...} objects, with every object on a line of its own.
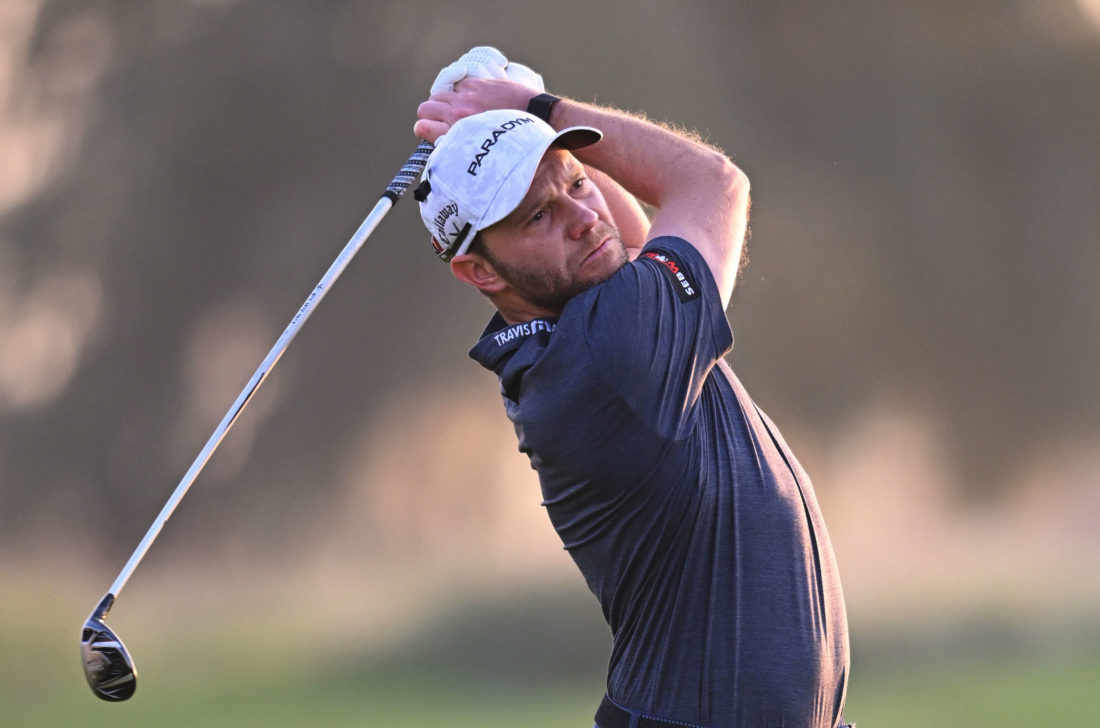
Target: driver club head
[{"x": 107, "y": 665}]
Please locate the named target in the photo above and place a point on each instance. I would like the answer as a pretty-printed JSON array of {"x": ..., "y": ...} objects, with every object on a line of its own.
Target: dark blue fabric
[{"x": 686, "y": 512}]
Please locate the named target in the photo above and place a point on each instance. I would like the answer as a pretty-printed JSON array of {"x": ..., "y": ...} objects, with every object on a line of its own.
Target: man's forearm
[
  {"x": 698, "y": 192},
  {"x": 630, "y": 218},
  {"x": 650, "y": 161}
]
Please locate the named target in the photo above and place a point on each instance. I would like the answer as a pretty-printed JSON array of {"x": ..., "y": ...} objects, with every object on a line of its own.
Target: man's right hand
[
  {"x": 447, "y": 103},
  {"x": 471, "y": 96}
]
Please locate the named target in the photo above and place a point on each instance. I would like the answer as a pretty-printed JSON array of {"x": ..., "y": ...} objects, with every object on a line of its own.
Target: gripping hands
[
  {"x": 486, "y": 62},
  {"x": 494, "y": 83}
]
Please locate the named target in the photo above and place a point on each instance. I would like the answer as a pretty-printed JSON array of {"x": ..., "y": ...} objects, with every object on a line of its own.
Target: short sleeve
[{"x": 655, "y": 330}]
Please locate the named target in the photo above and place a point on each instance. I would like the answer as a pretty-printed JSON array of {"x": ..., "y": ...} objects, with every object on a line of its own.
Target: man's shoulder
[
  {"x": 668, "y": 277},
  {"x": 679, "y": 261}
]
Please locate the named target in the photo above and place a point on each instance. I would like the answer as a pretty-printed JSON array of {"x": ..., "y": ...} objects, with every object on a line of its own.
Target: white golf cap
[{"x": 481, "y": 170}]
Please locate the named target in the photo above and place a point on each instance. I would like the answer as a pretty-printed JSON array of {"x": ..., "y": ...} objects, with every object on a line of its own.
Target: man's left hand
[
  {"x": 456, "y": 92},
  {"x": 470, "y": 96}
]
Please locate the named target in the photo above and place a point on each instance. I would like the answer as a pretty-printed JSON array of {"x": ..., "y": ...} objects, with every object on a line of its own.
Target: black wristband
[{"x": 541, "y": 105}]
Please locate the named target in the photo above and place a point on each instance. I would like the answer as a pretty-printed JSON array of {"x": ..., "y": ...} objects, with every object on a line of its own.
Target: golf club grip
[
  {"x": 401, "y": 183},
  {"x": 409, "y": 172}
]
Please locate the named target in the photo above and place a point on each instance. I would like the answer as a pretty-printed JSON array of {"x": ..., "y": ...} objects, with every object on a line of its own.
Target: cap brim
[
  {"x": 576, "y": 137},
  {"x": 517, "y": 184}
]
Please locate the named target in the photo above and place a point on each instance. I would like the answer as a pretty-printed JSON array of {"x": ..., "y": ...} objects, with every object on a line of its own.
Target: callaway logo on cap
[{"x": 481, "y": 170}]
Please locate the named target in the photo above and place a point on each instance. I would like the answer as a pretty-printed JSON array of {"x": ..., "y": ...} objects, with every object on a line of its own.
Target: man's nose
[{"x": 582, "y": 219}]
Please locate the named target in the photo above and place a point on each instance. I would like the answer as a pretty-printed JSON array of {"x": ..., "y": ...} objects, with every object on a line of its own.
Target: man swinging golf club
[{"x": 682, "y": 505}]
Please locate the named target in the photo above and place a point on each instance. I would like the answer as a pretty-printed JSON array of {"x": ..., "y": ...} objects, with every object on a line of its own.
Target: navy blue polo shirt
[{"x": 678, "y": 499}]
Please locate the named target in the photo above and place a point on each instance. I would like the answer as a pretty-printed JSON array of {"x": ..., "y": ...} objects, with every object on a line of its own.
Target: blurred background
[{"x": 920, "y": 316}]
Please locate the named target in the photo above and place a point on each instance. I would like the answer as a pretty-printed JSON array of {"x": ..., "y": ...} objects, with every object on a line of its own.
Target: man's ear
[{"x": 478, "y": 272}]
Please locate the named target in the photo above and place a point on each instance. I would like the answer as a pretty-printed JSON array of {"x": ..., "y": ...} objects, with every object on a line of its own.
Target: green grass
[
  {"x": 490, "y": 663},
  {"x": 335, "y": 699},
  {"x": 997, "y": 693},
  {"x": 973, "y": 692}
]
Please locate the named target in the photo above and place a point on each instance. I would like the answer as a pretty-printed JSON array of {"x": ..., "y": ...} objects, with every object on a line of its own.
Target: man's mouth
[{"x": 596, "y": 251}]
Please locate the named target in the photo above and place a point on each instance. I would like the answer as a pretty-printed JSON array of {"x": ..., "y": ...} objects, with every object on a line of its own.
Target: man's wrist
[{"x": 541, "y": 106}]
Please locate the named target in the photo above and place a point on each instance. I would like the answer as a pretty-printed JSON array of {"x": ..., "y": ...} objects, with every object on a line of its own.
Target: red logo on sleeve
[{"x": 684, "y": 285}]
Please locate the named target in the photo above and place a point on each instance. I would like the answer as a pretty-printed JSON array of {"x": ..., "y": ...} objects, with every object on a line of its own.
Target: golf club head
[{"x": 107, "y": 665}]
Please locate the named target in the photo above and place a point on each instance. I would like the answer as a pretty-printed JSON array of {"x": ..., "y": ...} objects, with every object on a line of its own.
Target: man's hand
[
  {"x": 448, "y": 103},
  {"x": 484, "y": 79},
  {"x": 486, "y": 62},
  {"x": 470, "y": 96},
  {"x": 479, "y": 62}
]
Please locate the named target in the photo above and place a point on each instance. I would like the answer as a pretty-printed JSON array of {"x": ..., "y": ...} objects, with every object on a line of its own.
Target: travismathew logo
[
  {"x": 488, "y": 144},
  {"x": 515, "y": 331},
  {"x": 685, "y": 287}
]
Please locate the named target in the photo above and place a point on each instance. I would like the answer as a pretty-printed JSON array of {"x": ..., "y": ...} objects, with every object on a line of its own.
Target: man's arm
[
  {"x": 630, "y": 218},
  {"x": 699, "y": 193}
]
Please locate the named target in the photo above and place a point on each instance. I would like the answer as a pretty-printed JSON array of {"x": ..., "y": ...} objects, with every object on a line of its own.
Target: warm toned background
[{"x": 367, "y": 547}]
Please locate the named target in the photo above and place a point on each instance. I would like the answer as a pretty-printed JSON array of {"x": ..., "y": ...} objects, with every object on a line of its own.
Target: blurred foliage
[
  {"x": 176, "y": 176},
  {"x": 924, "y": 182}
]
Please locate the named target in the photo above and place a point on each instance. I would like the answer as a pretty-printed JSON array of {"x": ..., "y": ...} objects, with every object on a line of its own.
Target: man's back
[{"x": 679, "y": 501}]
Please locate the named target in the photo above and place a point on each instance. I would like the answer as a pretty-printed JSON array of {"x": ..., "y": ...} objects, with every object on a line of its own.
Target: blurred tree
[{"x": 925, "y": 180}]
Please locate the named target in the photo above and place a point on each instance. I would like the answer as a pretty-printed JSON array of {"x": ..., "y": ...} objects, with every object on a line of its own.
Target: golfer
[{"x": 679, "y": 500}]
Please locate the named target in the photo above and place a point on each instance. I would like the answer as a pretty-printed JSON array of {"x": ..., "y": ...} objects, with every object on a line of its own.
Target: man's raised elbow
[
  {"x": 734, "y": 181},
  {"x": 725, "y": 179}
]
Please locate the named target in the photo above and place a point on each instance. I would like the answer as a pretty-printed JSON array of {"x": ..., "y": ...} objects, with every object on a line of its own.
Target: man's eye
[
  {"x": 537, "y": 216},
  {"x": 579, "y": 183}
]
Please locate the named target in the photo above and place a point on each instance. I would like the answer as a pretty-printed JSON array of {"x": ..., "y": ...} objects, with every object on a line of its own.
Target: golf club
[{"x": 107, "y": 664}]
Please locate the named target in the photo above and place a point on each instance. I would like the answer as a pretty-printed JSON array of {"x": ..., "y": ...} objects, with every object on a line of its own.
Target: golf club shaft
[{"x": 409, "y": 172}]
